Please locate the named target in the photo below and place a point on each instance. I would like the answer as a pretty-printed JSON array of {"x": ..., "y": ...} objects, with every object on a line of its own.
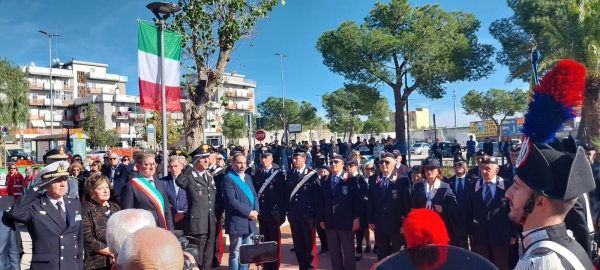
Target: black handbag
[{"x": 258, "y": 252}]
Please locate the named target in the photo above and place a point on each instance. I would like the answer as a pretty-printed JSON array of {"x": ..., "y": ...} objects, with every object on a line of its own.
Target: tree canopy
[
  {"x": 210, "y": 30},
  {"x": 94, "y": 126},
  {"x": 234, "y": 126},
  {"x": 303, "y": 112},
  {"x": 494, "y": 104},
  {"x": 14, "y": 90},
  {"x": 430, "y": 45}
]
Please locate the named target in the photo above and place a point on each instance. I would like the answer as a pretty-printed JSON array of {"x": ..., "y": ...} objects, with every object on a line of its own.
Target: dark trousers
[
  {"x": 269, "y": 227},
  {"x": 469, "y": 156},
  {"x": 498, "y": 255},
  {"x": 323, "y": 238},
  {"x": 341, "y": 251},
  {"x": 205, "y": 244},
  {"x": 305, "y": 247},
  {"x": 218, "y": 249},
  {"x": 387, "y": 244},
  {"x": 360, "y": 236},
  {"x": 403, "y": 160},
  {"x": 178, "y": 225}
]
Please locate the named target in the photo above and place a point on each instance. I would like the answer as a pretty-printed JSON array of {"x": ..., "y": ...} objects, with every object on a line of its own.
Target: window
[
  {"x": 48, "y": 96},
  {"x": 68, "y": 95},
  {"x": 215, "y": 97},
  {"x": 34, "y": 95}
]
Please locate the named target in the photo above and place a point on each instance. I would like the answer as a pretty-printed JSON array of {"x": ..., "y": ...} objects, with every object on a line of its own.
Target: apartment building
[
  {"x": 418, "y": 118},
  {"x": 77, "y": 83}
]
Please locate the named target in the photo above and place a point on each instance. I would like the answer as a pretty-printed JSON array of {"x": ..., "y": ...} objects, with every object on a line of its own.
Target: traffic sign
[
  {"x": 4, "y": 131},
  {"x": 260, "y": 135}
]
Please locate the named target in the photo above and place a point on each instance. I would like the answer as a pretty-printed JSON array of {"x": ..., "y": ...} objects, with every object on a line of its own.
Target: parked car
[
  {"x": 447, "y": 148},
  {"x": 419, "y": 148}
]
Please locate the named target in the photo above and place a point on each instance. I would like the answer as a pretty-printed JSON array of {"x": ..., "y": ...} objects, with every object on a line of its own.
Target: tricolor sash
[
  {"x": 243, "y": 186},
  {"x": 152, "y": 193}
]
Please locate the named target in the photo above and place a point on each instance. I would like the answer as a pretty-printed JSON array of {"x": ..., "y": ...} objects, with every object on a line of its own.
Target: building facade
[
  {"x": 77, "y": 83},
  {"x": 417, "y": 119}
]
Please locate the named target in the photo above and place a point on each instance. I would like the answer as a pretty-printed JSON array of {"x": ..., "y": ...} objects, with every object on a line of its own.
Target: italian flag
[{"x": 149, "y": 67}]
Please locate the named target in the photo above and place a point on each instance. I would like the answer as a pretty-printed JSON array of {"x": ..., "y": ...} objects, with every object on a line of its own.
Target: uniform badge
[
  {"x": 271, "y": 186},
  {"x": 503, "y": 202},
  {"x": 345, "y": 190},
  {"x": 78, "y": 217},
  {"x": 199, "y": 192},
  {"x": 43, "y": 212},
  {"x": 194, "y": 174},
  {"x": 395, "y": 194},
  {"x": 304, "y": 187}
]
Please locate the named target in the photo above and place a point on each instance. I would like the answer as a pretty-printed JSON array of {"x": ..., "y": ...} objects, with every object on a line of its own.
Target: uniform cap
[
  {"x": 431, "y": 163},
  {"x": 480, "y": 153},
  {"x": 178, "y": 152},
  {"x": 53, "y": 171},
  {"x": 459, "y": 158},
  {"x": 351, "y": 161},
  {"x": 489, "y": 160},
  {"x": 58, "y": 153},
  {"x": 396, "y": 153},
  {"x": 297, "y": 151},
  {"x": 266, "y": 151},
  {"x": 201, "y": 151},
  {"x": 387, "y": 154}
]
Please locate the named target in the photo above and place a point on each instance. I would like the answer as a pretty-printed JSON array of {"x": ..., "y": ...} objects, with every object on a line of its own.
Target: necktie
[
  {"x": 334, "y": 182},
  {"x": 384, "y": 184},
  {"x": 151, "y": 182},
  {"x": 460, "y": 188},
  {"x": 60, "y": 211},
  {"x": 488, "y": 194}
]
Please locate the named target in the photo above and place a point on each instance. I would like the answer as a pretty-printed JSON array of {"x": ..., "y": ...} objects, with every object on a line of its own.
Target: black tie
[
  {"x": 61, "y": 212},
  {"x": 459, "y": 189}
]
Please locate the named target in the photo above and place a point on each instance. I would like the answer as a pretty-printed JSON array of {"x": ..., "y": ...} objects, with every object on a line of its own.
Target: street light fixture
[
  {"x": 51, "y": 84},
  {"x": 285, "y": 134},
  {"x": 157, "y": 9}
]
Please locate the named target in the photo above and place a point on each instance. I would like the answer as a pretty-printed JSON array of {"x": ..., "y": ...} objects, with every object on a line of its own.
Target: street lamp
[
  {"x": 281, "y": 56},
  {"x": 157, "y": 9},
  {"x": 51, "y": 85}
]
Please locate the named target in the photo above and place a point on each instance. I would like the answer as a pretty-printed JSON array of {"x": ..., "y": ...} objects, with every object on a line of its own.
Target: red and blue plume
[{"x": 554, "y": 100}]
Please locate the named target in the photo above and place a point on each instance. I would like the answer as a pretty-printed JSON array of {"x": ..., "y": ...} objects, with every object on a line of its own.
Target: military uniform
[
  {"x": 303, "y": 191},
  {"x": 459, "y": 186},
  {"x": 201, "y": 190},
  {"x": 270, "y": 185},
  {"x": 56, "y": 229}
]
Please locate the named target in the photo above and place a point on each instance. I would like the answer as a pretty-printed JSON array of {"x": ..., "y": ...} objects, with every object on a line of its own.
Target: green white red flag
[{"x": 149, "y": 67}]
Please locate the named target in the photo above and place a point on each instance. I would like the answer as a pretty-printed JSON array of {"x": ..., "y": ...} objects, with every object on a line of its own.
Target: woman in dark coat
[
  {"x": 96, "y": 213},
  {"x": 433, "y": 193}
]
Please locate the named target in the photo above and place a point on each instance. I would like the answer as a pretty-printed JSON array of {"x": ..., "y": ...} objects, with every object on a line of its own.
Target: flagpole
[{"x": 163, "y": 96}]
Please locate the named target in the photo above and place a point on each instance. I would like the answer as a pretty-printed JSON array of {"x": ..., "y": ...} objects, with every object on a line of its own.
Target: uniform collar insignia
[
  {"x": 533, "y": 236},
  {"x": 478, "y": 185},
  {"x": 500, "y": 182}
]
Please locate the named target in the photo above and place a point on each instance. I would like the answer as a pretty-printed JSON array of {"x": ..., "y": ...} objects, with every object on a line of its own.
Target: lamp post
[
  {"x": 158, "y": 8},
  {"x": 454, "y": 98},
  {"x": 285, "y": 134},
  {"x": 51, "y": 85}
]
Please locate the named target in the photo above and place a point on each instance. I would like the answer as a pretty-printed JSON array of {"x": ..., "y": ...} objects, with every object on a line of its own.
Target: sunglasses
[
  {"x": 386, "y": 162},
  {"x": 460, "y": 164},
  {"x": 370, "y": 169},
  {"x": 77, "y": 159},
  {"x": 334, "y": 162}
]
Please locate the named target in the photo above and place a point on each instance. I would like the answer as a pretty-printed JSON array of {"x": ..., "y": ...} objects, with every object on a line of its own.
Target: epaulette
[{"x": 540, "y": 258}]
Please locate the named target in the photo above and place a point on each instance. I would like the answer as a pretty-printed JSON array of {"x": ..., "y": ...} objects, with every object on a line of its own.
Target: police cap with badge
[
  {"x": 200, "y": 152},
  {"x": 266, "y": 151},
  {"x": 297, "y": 151},
  {"x": 178, "y": 152}
]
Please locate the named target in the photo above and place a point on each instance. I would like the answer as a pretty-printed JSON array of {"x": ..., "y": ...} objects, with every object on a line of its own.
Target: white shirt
[
  {"x": 200, "y": 174},
  {"x": 265, "y": 170},
  {"x": 493, "y": 184},
  {"x": 176, "y": 186},
  {"x": 62, "y": 203},
  {"x": 241, "y": 175},
  {"x": 301, "y": 169}
]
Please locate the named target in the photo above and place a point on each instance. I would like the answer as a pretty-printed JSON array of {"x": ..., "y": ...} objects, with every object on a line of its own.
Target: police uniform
[
  {"x": 474, "y": 172},
  {"x": 389, "y": 201},
  {"x": 364, "y": 192},
  {"x": 340, "y": 205},
  {"x": 56, "y": 229},
  {"x": 270, "y": 185},
  {"x": 201, "y": 190},
  {"x": 487, "y": 217},
  {"x": 303, "y": 191},
  {"x": 459, "y": 186},
  {"x": 218, "y": 173}
]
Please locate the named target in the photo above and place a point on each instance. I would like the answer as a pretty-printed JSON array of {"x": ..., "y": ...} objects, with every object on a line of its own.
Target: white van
[{"x": 462, "y": 139}]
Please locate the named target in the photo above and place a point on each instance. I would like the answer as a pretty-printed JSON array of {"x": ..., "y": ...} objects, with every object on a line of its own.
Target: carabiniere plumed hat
[{"x": 556, "y": 170}]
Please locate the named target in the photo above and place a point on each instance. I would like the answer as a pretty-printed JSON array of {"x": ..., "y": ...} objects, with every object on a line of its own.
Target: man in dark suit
[
  {"x": 340, "y": 189},
  {"x": 488, "y": 224},
  {"x": 475, "y": 171},
  {"x": 9, "y": 246},
  {"x": 200, "y": 189},
  {"x": 436, "y": 150},
  {"x": 177, "y": 197},
  {"x": 488, "y": 147},
  {"x": 53, "y": 220},
  {"x": 388, "y": 204},
  {"x": 241, "y": 208},
  {"x": 117, "y": 175},
  {"x": 269, "y": 182},
  {"x": 459, "y": 184},
  {"x": 147, "y": 192},
  {"x": 217, "y": 173},
  {"x": 303, "y": 190},
  {"x": 399, "y": 166}
]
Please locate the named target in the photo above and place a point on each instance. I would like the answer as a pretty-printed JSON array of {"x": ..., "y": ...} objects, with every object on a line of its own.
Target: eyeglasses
[
  {"x": 77, "y": 159},
  {"x": 334, "y": 161},
  {"x": 12, "y": 168},
  {"x": 113, "y": 158},
  {"x": 386, "y": 162},
  {"x": 149, "y": 164},
  {"x": 459, "y": 164},
  {"x": 370, "y": 169}
]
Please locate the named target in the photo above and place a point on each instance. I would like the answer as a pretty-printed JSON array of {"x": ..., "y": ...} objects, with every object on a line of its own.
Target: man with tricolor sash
[
  {"x": 201, "y": 192},
  {"x": 147, "y": 192},
  {"x": 269, "y": 182},
  {"x": 241, "y": 208}
]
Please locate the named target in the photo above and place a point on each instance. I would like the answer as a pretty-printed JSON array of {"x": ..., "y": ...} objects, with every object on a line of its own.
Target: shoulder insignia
[
  {"x": 477, "y": 185},
  {"x": 500, "y": 182},
  {"x": 540, "y": 258}
]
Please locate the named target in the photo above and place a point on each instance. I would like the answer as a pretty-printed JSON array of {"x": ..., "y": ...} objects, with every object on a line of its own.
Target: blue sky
[{"x": 106, "y": 31}]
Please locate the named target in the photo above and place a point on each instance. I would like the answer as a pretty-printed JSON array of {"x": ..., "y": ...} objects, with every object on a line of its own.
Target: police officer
[
  {"x": 459, "y": 184},
  {"x": 303, "y": 191},
  {"x": 218, "y": 173},
  {"x": 53, "y": 220},
  {"x": 200, "y": 189},
  {"x": 340, "y": 189},
  {"x": 487, "y": 215},
  {"x": 269, "y": 183},
  {"x": 547, "y": 184}
]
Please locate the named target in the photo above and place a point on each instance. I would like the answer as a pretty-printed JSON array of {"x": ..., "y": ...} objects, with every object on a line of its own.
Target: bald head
[{"x": 150, "y": 248}]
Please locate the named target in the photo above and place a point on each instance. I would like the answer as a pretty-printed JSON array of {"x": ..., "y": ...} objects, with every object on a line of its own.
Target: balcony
[
  {"x": 79, "y": 116},
  {"x": 57, "y": 117},
  {"x": 68, "y": 117},
  {"x": 240, "y": 106},
  {"x": 122, "y": 129},
  {"x": 121, "y": 115},
  {"x": 240, "y": 94},
  {"x": 100, "y": 90},
  {"x": 44, "y": 131},
  {"x": 36, "y": 101},
  {"x": 36, "y": 117},
  {"x": 68, "y": 102},
  {"x": 36, "y": 85}
]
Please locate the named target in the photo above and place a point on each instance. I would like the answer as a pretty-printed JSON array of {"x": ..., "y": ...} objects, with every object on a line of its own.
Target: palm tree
[{"x": 577, "y": 38}]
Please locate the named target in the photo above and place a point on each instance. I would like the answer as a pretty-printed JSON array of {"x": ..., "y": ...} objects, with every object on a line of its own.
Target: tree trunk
[
  {"x": 399, "y": 115},
  {"x": 193, "y": 117},
  {"x": 591, "y": 103},
  {"x": 351, "y": 127},
  {"x": 581, "y": 131}
]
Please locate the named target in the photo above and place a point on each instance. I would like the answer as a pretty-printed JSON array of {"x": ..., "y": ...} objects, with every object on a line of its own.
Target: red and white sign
[{"x": 260, "y": 135}]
